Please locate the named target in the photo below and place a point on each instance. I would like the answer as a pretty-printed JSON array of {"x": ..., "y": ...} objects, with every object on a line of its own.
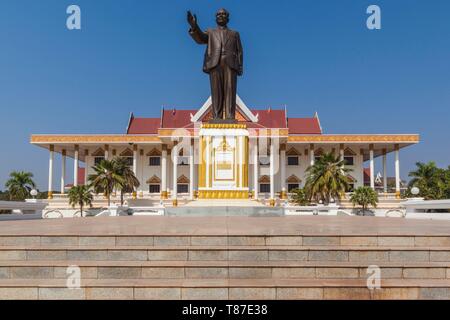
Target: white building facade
[{"x": 170, "y": 158}]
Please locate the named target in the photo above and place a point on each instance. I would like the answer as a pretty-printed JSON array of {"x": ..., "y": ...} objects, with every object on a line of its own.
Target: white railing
[
  {"x": 330, "y": 210},
  {"x": 30, "y": 209}
]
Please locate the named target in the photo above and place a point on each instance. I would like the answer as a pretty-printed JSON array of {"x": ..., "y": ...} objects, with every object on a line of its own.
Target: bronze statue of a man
[{"x": 223, "y": 62}]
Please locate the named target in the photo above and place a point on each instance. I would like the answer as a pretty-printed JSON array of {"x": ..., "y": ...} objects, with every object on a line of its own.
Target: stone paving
[
  {"x": 225, "y": 258},
  {"x": 224, "y": 226}
]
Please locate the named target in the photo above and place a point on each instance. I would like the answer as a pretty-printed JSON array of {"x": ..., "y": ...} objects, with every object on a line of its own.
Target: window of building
[
  {"x": 349, "y": 160},
  {"x": 182, "y": 188},
  {"x": 128, "y": 160},
  {"x": 292, "y": 186},
  {"x": 154, "y": 188},
  {"x": 97, "y": 160},
  {"x": 154, "y": 161},
  {"x": 183, "y": 161},
  {"x": 264, "y": 160},
  {"x": 292, "y": 161},
  {"x": 264, "y": 187}
]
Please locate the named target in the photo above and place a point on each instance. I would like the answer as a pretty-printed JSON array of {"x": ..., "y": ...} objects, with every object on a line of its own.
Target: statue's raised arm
[{"x": 196, "y": 33}]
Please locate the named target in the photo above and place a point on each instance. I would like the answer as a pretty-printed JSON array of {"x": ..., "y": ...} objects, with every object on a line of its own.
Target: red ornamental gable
[{"x": 238, "y": 116}]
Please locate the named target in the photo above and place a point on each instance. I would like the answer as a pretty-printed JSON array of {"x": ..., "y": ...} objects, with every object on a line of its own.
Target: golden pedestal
[
  {"x": 272, "y": 202},
  {"x": 223, "y": 167},
  {"x": 164, "y": 195},
  {"x": 50, "y": 195},
  {"x": 175, "y": 202}
]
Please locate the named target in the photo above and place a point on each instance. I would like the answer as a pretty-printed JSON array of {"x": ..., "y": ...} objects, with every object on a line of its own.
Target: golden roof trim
[
  {"x": 93, "y": 138},
  {"x": 380, "y": 138}
]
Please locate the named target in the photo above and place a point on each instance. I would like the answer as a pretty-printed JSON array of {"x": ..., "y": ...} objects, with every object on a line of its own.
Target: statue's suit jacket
[{"x": 232, "y": 48}]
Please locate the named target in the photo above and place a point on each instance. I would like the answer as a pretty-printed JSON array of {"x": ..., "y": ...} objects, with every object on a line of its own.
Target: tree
[
  {"x": 106, "y": 177},
  {"x": 129, "y": 182},
  {"x": 19, "y": 185},
  {"x": 81, "y": 196},
  {"x": 299, "y": 197},
  {"x": 326, "y": 179},
  {"x": 364, "y": 197},
  {"x": 447, "y": 183},
  {"x": 430, "y": 180}
]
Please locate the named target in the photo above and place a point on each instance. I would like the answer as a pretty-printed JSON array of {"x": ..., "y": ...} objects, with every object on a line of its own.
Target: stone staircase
[{"x": 224, "y": 266}]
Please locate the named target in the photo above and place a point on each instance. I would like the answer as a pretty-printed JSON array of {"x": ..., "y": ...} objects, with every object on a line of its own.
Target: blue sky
[{"x": 313, "y": 55}]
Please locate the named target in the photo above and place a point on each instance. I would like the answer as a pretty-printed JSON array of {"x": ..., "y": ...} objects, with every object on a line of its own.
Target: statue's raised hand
[{"x": 192, "y": 20}]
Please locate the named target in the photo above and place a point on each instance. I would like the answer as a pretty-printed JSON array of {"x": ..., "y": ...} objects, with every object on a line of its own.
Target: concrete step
[
  {"x": 222, "y": 289},
  {"x": 226, "y": 240},
  {"x": 228, "y": 253},
  {"x": 219, "y": 270}
]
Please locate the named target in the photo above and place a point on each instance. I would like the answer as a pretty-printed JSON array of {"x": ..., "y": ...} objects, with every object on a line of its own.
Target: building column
[
  {"x": 311, "y": 153},
  {"x": 208, "y": 162},
  {"x": 341, "y": 152},
  {"x": 164, "y": 172},
  {"x": 75, "y": 166},
  {"x": 141, "y": 172},
  {"x": 106, "y": 152},
  {"x": 272, "y": 173},
  {"x": 135, "y": 158},
  {"x": 283, "y": 194},
  {"x": 397, "y": 171},
  {"x": 63, "y": 171},
  {"x": 86, "y": 167},
  {"x": 191, "y": 170},
  {"x": 384, "y": 172},
  {"x": 50, "y": 172},
  {"x": 175, "y": 174},
  {"x": 256, "y": 171},
  {"x": 135, "y": 154},
  {"x": 372, "y": 167}
]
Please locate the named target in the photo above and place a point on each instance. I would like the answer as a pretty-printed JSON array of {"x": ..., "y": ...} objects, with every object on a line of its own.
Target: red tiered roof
[
  {"x": 176, "y": 118},
  {"x": 267, "y": 118},
  {"x": 304, "y": 126},
  {"x": 143, "y": 125}
]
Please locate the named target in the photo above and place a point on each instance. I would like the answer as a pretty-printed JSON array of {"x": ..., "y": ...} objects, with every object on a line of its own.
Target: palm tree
[
  {"x": 106, "y": 177},
  {"x": 326, "y": 179},
  {"x": 364, "y": 197},
  {"x": 81, "y": 196},
  {"x": 129, "y": 182},
  {"x": 429, "y": 179},
  {"x": 19, "y": 185},
  {"x": 299, "y": 197}
]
